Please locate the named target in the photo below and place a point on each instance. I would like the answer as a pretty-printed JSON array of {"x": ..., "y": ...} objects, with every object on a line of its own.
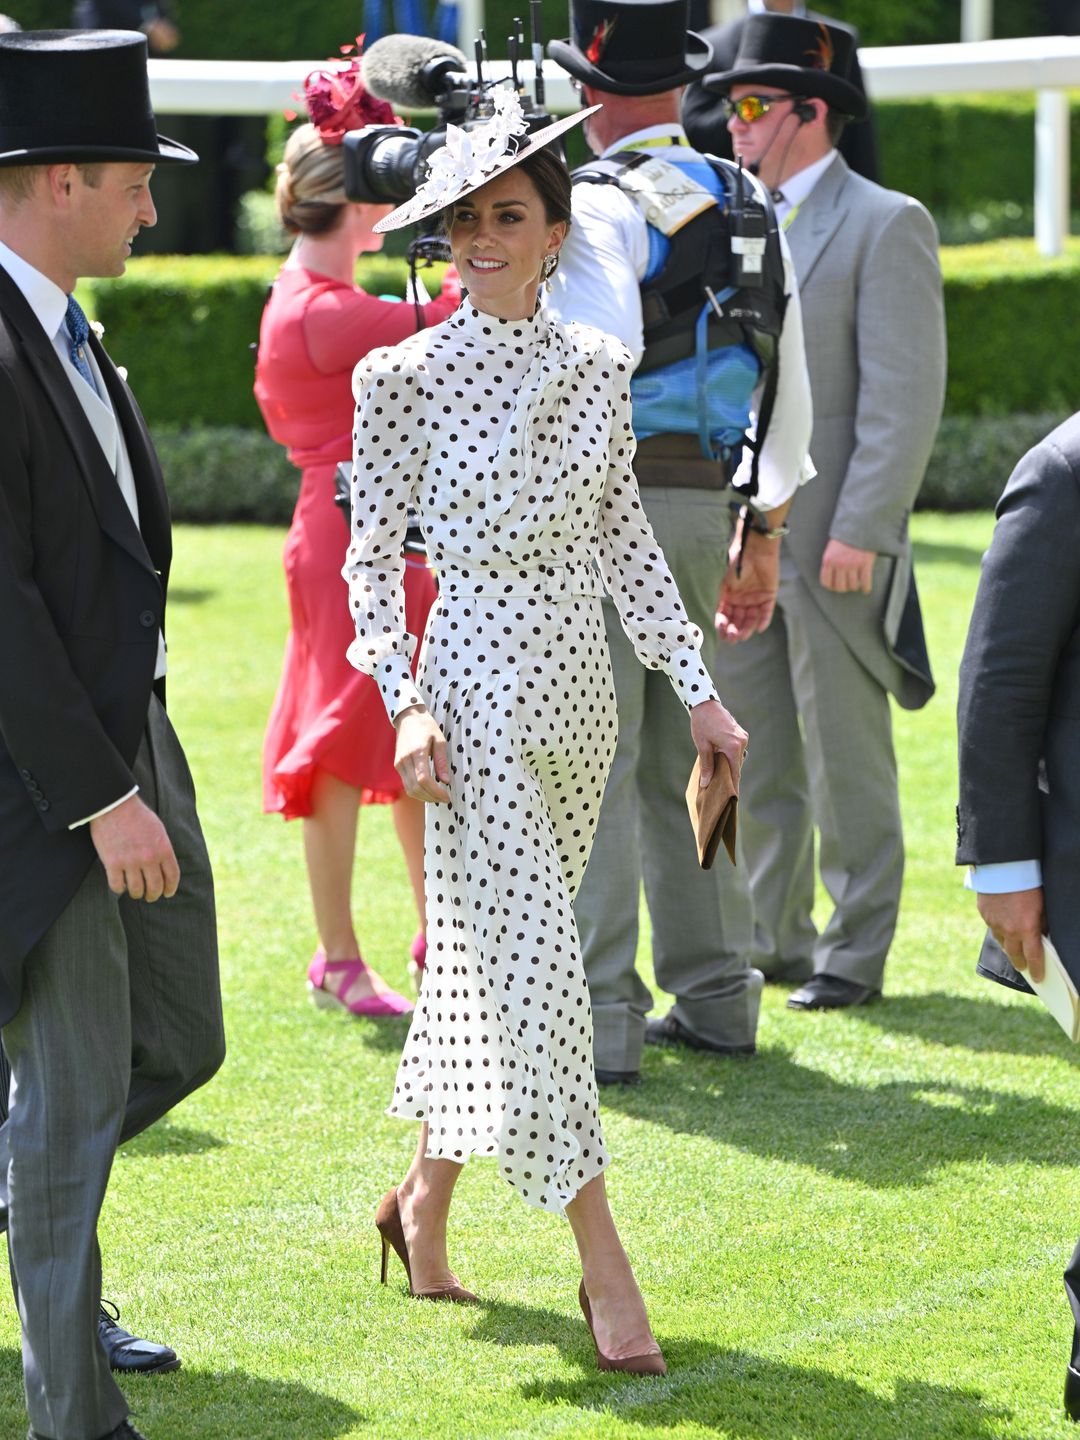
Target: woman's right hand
[{"x": 420, "y": 758}]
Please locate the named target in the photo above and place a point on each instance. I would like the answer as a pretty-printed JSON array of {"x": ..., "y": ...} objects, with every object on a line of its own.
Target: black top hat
[
  {"x": 632, "y": 47},
  {"x": 806, "y": 57},
  {"x": 78, "y": 96}
]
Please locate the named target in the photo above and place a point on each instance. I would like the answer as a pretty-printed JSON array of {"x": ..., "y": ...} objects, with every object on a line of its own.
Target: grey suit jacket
[
  {"x": 870, "y": 284},
  {"x": 1018, "y": 716}
]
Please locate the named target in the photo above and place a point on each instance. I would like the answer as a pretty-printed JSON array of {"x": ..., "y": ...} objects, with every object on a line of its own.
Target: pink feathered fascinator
[{"x": 337, "y": 101}]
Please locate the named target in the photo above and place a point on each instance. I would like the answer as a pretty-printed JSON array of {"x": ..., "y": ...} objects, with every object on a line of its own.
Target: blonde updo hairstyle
[{"x": 310, "y": 183}]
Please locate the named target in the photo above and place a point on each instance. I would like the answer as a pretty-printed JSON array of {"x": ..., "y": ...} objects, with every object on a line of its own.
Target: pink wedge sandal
[{"x": 390, "y": 1003}]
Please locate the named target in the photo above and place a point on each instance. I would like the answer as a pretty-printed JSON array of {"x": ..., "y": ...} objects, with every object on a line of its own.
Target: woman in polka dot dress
[{"x": 510, "y": 433}]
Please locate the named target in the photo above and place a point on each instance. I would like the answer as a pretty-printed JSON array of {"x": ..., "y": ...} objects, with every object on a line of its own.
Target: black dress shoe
[
  {"x": 830, "y": 992},
  {"x": 670, "y": 1031},
  {"x": 1072, "y": 1393},
  {"x": 127, "y": 1353},
  {"x": 618, "y": 1077}
]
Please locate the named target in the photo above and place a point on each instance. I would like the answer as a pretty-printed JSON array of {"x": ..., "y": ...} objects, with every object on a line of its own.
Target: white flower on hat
[{"x": 469, "y": 156}]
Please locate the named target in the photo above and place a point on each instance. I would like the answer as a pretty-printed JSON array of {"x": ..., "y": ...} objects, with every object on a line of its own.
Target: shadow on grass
[
  {"x": 971, "y": 1024},
  {"x": 198, "y": 1405},
  {"x": 385, "y": 1034},
  {"x": 165, "y": 1138},
  {"x": 739, "y": 1393},
  {"x": 929, "y": 552},
  {"x": 178, "y": 595},
  {"x": 762, "y": 1399},
  {"x": 900, "y": 1133}
]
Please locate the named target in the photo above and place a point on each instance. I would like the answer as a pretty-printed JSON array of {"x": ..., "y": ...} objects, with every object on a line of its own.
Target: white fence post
[
  {"x": 977, "y": 20},
  {"x": 1051, "y": 171}
]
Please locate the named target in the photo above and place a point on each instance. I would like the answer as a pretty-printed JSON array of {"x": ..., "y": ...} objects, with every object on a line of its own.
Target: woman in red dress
[{"x": 329, "y": 747}]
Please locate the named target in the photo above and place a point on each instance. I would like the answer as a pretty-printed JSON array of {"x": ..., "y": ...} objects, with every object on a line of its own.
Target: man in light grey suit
[
  {"x": 1019, "y": 732},
  {"x": 813, "y": 690}
]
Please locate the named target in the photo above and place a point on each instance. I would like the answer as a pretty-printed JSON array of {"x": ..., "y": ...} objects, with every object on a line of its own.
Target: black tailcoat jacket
[{"x": 82, "y": 598}]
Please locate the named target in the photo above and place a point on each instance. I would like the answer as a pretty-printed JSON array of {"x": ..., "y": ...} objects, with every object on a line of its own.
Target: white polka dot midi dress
[{"x": 513, "y": 441}]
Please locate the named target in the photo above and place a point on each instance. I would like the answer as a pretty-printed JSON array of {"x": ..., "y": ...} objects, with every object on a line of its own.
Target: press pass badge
[{"x": 667, "y": 196}]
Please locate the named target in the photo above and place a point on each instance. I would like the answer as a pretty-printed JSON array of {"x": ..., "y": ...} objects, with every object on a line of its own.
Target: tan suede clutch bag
[{"x": 713, "y": 811}]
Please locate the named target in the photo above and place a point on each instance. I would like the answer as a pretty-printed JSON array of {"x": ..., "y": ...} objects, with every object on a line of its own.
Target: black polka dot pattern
[{"x": 513, "y": 440}]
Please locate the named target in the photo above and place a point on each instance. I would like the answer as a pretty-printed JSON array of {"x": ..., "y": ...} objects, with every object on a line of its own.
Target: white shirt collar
[
  {"x": 796, "y": 188},
  {"x": 672, "y": 132},
  {"x": 44, "y": 296},
  {"x": 757, "y": 7}
]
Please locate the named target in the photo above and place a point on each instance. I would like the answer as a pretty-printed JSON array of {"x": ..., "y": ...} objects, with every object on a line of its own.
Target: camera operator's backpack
[{"x": 712, "y": 298}]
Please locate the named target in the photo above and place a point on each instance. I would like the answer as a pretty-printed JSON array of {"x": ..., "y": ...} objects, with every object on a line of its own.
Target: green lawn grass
[{"x": 856, "y": 1235}]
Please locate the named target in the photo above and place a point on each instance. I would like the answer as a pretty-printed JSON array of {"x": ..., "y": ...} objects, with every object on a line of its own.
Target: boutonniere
[
  {"x": 98, "y": 329},
  {"x": 121, "y": 370}
]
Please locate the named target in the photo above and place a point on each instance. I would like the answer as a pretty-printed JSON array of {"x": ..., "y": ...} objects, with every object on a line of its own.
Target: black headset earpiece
[{"x": 804, "y": 112}]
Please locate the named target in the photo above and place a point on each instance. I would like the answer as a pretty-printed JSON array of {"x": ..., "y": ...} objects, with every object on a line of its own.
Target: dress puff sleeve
[
  {"x": 633, "y": 567},
  {"x": 389, "y": 450}
]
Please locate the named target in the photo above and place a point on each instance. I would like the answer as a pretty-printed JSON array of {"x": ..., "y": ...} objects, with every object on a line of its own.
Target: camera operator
[
  {"x": 634, "y": 254},
  {"x": 329, "y": 747}
]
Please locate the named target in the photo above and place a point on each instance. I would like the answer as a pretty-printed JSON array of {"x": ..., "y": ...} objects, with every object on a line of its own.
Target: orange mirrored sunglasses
[{"x": 752, "y": 107}]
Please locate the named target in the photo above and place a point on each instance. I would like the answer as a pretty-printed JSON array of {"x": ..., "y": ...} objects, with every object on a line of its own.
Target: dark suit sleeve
[
  {"x": 702, "y": 110},
  {"x": 49, "y": 726},
  {"x": 1027, "y": 610},
  {"x": 859, "y": 139}
]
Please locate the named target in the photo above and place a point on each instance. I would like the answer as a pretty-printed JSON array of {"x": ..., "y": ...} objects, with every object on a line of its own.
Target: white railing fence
[{"x": 1047, "y": 65}]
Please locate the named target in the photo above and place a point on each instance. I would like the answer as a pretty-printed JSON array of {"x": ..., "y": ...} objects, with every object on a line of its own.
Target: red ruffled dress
[{"x": 326, "y": 715}]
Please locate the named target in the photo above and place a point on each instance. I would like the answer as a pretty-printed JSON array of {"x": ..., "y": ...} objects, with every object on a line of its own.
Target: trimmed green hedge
[
  {"x": 1012, "y": 342},
  {"x": 954, "y": 153},
  {"x": 183, "y": 327},
  {"x": 226, "y": 474}
]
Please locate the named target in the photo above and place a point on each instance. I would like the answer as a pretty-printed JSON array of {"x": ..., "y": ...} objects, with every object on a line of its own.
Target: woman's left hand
[{"x": 713, "y": 729}]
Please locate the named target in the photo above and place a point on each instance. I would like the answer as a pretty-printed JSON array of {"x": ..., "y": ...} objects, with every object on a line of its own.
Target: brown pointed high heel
[
  {"x": 388, "y": 1224},
  {"x": 650, "y": 1364}
]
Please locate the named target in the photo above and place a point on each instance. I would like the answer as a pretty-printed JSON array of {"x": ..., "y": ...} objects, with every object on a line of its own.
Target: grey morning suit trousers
[
  {"x": 700, "y": 919},
  {"x": 821, "y": 753},
  {"x": 121, "y": 1018}
]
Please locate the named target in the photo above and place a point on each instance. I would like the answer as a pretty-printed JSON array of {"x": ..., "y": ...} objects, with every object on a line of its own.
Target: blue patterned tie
[{"x": 78, "y": 328}]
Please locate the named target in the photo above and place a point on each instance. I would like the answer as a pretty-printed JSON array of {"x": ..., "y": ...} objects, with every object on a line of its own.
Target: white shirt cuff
[
  {"x": 77, "y": 824},
  {"x": 1005, "y": 878}
]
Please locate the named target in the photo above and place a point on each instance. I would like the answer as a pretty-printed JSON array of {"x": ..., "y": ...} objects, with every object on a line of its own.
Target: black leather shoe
[
  {"x": 670, "y": 1031},
  {"x": 1072, "y": 1393},
  {"x": 830, "y": 992},
  {"x": 127, "y": 1353},
  {"x": 618, "y": 1077}
]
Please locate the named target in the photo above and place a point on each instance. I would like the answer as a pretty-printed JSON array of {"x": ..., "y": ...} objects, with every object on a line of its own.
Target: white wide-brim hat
[{"x": 470, "y": 158}]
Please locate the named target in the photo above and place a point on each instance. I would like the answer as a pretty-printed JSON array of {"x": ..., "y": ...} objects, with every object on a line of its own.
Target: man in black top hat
[
  {"x": 814, "y": 690},
  {"x": 703, "y": 113},
  {"x": 109, "y": 996},
  {"x": 630, "y": 257}
]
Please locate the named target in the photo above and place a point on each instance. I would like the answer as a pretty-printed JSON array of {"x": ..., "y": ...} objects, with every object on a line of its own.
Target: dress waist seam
[{"x": 547, "y": 582}]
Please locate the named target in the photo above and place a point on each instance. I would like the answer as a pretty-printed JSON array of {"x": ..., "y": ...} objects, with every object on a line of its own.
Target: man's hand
[
  {"x": 420, "y": 757},
  {"x": 135, "y": 849},
  {"x": 1017, "y": 922},
  {"x": 747, "y": 601},
  {"x": 712, "y": 729},
  {"x": 845, "y": 569}
]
